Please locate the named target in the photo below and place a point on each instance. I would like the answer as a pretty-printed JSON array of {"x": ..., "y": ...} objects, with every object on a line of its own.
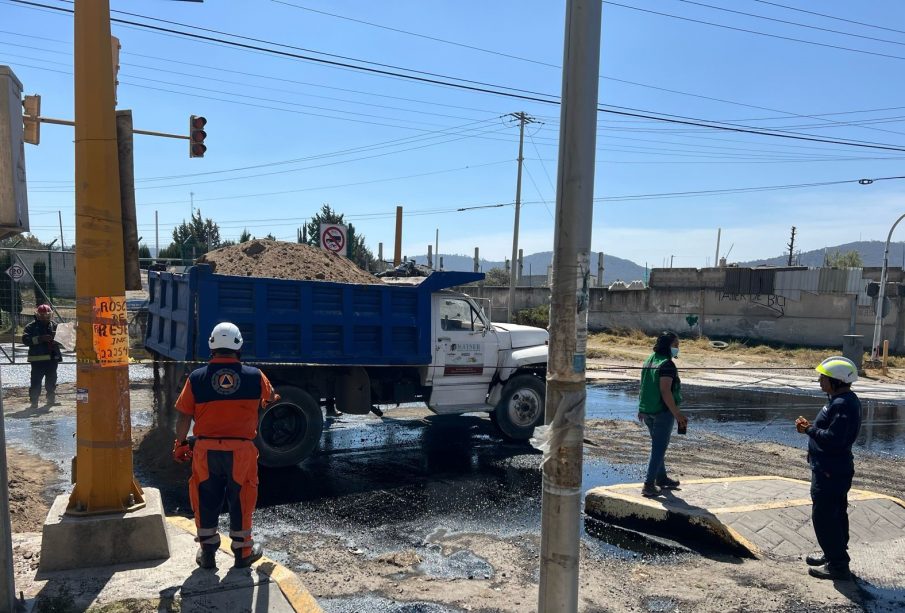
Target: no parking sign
[{"x": 334, "y": 238}]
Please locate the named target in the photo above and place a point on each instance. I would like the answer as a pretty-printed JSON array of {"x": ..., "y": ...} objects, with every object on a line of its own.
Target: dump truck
[{"x": 355, "y": 346}]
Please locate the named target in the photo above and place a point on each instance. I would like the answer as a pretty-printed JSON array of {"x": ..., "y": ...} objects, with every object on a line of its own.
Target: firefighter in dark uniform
[
  {"x": 43, "y": 354},
  {"x": 223, "y": 399}
]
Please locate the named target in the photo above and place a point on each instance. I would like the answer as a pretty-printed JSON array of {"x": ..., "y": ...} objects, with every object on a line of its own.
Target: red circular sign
[{"x": 333, "y": 239}]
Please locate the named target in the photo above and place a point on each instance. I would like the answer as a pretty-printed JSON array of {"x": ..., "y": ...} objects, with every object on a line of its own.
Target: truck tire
[
  {"x": 289, "y": 430},
  {"x": 521, "y": 407}
]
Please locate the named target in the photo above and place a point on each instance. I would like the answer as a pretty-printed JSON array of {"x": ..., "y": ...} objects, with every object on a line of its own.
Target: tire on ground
[
  {"x": 521, "y": 407},
  {"x": 289, "y": 430}
]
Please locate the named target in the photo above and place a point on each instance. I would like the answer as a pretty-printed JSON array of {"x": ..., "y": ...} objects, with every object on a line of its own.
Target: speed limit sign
[
  {"x": 333, "y": 238},
  {"x": 16, "y": 272}
]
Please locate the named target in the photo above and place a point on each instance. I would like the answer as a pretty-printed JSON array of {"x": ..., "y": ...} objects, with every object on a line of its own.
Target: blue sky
[{"x": 365, "y": 143}]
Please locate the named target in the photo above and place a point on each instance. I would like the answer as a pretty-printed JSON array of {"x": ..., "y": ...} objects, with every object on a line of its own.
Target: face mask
[{"x": 675, "y": 351}]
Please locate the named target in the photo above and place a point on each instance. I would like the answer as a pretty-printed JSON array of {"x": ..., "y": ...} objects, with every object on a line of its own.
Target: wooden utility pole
[
  {"x": 397, "y": 251},
  {"x": 104, "y": 482}
]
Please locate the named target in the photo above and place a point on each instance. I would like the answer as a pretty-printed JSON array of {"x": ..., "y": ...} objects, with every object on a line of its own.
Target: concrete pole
[
  {"x": 7, "y": 583},
  {"x": 380, "y": 252},
  {"x": 477, "y": 261},
  {"x": 600, "y": 269},
  {"x": 513, "y": 273},
  {"x": 441, "y": 261},
  {"x": 104, "y": 482},
  {"x": 127, "y": 199},
  {"x": 566, "y": 393},
  {"x": 62, "y": 244},
  {"x": 878, "y": 322},
  {"x": 437, "y": 245},
  {"x": 397, "y": 251},
  {"x": 521, "y": 266},
  {"x": 716, "y": 258},
  {"x": 156, "y": 237},
  {"x": 430, "y": 256}
]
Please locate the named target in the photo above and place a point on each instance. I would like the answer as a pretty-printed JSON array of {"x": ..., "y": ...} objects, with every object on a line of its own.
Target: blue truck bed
[{"x": 287, "y": 321}]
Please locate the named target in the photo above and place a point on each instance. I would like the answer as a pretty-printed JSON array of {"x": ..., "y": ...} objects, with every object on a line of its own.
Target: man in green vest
[{"x": 658, "y": 408}]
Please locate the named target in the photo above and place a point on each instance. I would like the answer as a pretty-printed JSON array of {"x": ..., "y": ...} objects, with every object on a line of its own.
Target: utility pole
[
  {"x": 437, "y": 245},
  {"x": 104, "y": 481},
  {"x": 156, "y": 237},
  {"x": 791, "y": 246},
  {"x": 62, "y": 243},
  {"x": 397, "y": 251},
  {"x": 716, "y": 257},
  {"x": 477, "y": 260},
  {"x": 881, "y": 298},
  {"x": 566, "y": 388},
  {"x": 523, "y": 118},
  {"x": 192, "y": 204}
]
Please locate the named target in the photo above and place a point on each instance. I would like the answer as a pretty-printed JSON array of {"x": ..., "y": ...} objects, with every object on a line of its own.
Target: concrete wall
[{"x": 817, "y": 320}]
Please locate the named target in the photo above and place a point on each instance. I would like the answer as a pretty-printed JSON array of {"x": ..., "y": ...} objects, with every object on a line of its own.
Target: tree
[
  {"x": 496, "y": 276},
  {"x": 849, "y": 259},
  {"x": 359, "y": 253},
  {"x": 245, "y": 237},
  {"x": 198, "y": 233}
]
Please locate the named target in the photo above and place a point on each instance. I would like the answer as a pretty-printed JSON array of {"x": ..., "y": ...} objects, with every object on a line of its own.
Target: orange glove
[{"x": 182, "y": 452}]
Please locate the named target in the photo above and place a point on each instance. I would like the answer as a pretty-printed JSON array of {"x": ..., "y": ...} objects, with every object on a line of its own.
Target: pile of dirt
[
  {"x": 30, "y": 478},
  {"x": 279, "y": 260}
]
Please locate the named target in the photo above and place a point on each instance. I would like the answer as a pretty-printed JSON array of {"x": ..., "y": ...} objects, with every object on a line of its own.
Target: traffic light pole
[
  {"x": 566, "y": 387},
  {"x": 104, "y": 481}
]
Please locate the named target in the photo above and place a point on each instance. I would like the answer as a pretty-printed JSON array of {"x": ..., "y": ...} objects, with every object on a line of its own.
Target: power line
[
  {"x": 748, "y": 31},
  {"x": 487, "y": 88},
  {"x": 859, "y": 23},
  {"x": 792, "y": 23}
]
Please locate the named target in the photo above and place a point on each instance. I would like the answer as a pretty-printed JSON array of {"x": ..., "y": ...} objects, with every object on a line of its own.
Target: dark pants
[
  {"x": 829, "y": 494},
  {"x": 660, "y": 427},
  {"x": 224, "y": 471},
  {"x": 46, "y": 370}
]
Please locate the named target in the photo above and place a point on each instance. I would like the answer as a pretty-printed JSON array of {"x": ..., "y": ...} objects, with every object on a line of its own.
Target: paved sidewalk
[
  {"x": 175, "y": 584},
  {"x": 762, "y": 517}
]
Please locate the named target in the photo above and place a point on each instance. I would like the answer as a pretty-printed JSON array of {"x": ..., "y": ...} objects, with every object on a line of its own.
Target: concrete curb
[
  {"x": 297, "y": 595},
  {"x": 634, "y": 511}
]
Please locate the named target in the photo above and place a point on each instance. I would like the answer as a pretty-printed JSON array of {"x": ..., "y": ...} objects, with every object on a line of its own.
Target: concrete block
[{"x": 70, "y": 542}]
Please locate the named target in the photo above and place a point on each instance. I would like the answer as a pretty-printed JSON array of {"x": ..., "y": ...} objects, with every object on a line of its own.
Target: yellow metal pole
[{"x": 104, "y": 482}]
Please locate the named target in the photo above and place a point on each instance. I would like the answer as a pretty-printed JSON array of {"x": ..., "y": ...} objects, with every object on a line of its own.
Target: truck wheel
[
  {"x": 521, "y": 407},
  {"x": 289, "y": 430}
]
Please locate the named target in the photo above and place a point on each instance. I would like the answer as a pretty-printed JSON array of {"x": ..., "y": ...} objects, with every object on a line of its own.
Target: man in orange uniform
[{"x": 223, "y": 398}]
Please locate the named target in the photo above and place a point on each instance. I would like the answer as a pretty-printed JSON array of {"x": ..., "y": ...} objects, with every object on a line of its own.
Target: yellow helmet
[{"x": 839, "y": 368}]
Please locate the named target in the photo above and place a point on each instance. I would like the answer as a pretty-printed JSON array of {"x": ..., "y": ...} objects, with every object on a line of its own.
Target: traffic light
[
  {"x": 197, "y": 136},
  {"x": 32, "y": 105}
]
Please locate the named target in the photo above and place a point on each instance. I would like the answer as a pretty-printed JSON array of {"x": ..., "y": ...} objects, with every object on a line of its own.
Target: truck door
[{"x": 465, "y": 355}]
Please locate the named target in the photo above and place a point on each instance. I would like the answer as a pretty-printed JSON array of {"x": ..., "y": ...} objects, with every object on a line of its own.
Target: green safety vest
[{"x": 649, "y": 400}]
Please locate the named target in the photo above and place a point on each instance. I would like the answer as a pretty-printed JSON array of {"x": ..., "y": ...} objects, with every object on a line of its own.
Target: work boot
[
  {"x": 668, "y": 484},
  {"x": 830, "y": 571},
  {"x": 376, "y": 411},
  {"x": 244, "y": 562},
  {"x": 33, "y": 400},
  {"x": 815, "y": 559},
  {"x": 206, "y": 557},
  {"x": 51, "y": 398},
  {"x": 650, "y": 490}
]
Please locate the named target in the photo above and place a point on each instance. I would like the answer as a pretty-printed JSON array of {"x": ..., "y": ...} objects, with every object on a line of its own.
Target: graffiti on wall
[{"x": 775, "y": 303}]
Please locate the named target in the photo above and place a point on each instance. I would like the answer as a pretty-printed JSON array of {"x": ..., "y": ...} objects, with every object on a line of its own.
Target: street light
[{"x": 878, "y": 322}]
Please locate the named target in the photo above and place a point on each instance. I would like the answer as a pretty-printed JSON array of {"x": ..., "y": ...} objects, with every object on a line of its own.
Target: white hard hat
[
  {"x": 839, "y": 368},
  {"x": 225, "y": 336}
]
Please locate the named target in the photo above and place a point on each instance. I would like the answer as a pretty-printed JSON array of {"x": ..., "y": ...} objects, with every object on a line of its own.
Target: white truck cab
[{"x": 482, "y": 366}]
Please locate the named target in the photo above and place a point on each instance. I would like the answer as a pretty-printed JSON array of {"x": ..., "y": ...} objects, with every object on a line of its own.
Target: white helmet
[
  {"x": 839, "y": 368},
  {"x": 225, "y": 336}
]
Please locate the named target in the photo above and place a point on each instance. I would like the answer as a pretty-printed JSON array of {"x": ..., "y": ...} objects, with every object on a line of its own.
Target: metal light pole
[
  {"x": 104, "y": 482},
  {"x": 566, "y": 393},
  {"x": 878, "y": 322}
]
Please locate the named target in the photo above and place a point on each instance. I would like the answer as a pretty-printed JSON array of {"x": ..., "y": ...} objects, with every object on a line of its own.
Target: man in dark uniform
[
  {"x": 223, "y": 399},
  {"x": 830, "y": 440},
  {"x": 43, "y": 354}
]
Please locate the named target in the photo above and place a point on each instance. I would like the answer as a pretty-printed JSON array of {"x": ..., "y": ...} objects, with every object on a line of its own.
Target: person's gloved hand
[
  {"x": 46, "y": 338},
  {"x": 182, "y": 452},
  {"x": 801, "y": 424}
]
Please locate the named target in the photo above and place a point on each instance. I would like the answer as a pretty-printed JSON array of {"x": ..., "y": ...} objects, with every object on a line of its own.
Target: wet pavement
[{"x": 410, "y": 483}]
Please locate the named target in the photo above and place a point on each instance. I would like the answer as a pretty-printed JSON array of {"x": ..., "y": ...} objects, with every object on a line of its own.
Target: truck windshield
[{"x": 458, "y": 314}]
